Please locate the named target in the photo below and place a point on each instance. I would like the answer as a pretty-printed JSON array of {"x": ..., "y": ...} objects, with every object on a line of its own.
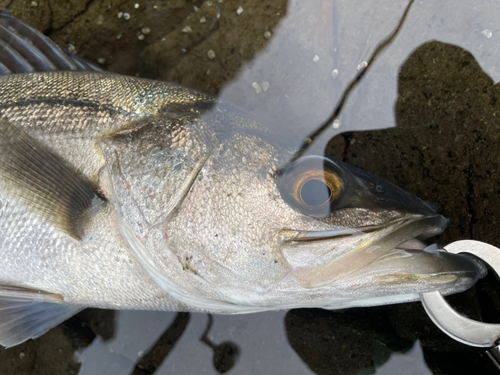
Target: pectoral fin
[
  {"x": 43, "y": 182},
  {"x": 26, "y": 314}
]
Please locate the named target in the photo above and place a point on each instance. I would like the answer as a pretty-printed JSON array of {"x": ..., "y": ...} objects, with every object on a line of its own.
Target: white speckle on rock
[
  {"x": 203, "y": 20},
  {"x": 257, "y": 87},
  {"x": 145, "y": 30},
  {"x": 187, "y": 30},
  {"x": 21, "y": 355},
  {"x": 487, "y": 33},
  {"x": 126, "y": 16},
  {"x": 265, "y": 86},
  {"x": 315, "y": 58},
  {"x": 267, "y": 34},
  {"x": 101, "y": 60},
  {"x": 209, "y": 3},
  {"x": 118, "y": 36},
  {"x": 119, "y": 15},
  {"x": 100, "y": 19},
  {"x": 362, "y": 65},
  {"x": 335, "y": 73},
  {"x": 211, "y": 54},
  {"x": 140, "y": 353},
  {"x": 239, "y": 10},
  {"x": 336, "y": 123}
]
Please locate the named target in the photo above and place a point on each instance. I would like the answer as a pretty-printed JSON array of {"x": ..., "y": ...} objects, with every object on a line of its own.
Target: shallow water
[{"x": 424, "y": 116}]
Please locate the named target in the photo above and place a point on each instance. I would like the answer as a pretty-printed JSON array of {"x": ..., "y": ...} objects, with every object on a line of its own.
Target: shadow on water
[
  {"x": 153, "y": 359},
  {"x": 225, "y": 354}
]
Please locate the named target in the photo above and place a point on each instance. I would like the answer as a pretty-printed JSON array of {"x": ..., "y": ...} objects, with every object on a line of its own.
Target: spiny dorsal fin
[
  {"x": 24, "y": 49},
  {"x": 43, "y": 182}
]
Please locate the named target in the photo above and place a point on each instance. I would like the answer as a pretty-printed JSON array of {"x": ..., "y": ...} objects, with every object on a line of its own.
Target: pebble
[
  {"x": 118, "y": 36},
  {"x": 239, "y": 10},
  {"x": 21, "y": 355},
  {"x": 265, "y": 86},
  {"x": 100, "y": 19},
  {"x": 187, "y": 30},
  {"x": 101, "y": 60},
  {"x": 335, "y": 73},
  {"x": 211, "y": 54},
  {"x": 120, "y": 14},
  {"x": 71, "y": 48},
  {"x": 155, "y": 6},
  {"x": 34, "y": 4},
  {"x": 126, "y": 16},
  {"x": 267, "y": 35},
  {"x": 136, "y": 5},
  {"x": 362, "y": 65},
  {"x": 140, "y": 353},
  {"x": 487, "y": 33},
  {"x": 336, "y": 123},
  {"x": 141, "y": 37},
  {"x": 257, "y": 87},
  {"x": 315, "y": 58},
  {"x": 203, "y": 20},
  {"x": 146, "y": 30}
]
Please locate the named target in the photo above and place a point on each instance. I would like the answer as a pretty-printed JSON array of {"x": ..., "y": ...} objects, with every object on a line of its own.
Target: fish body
[{"x": 127, "y": 193}]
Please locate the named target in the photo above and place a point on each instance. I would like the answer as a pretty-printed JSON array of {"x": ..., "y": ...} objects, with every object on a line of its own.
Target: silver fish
[{"x": 127, "y": 193}]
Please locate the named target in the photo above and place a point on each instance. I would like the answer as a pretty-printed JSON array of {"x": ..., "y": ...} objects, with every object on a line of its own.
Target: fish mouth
[{"x": 390, "y": 258}]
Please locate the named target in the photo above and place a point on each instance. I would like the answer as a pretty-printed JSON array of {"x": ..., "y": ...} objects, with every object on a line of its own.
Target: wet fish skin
[
  {"x": 158, "y": 159},
  {"x": 149, "y": 195}
]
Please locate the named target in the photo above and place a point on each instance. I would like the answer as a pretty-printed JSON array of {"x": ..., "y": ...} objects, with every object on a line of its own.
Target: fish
[{"x": 120, "y": 192}]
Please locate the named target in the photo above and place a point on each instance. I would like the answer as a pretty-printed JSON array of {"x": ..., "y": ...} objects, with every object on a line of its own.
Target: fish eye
[
  {"x": 317, "y": 187},
  {"x": 311, "y": 185}
]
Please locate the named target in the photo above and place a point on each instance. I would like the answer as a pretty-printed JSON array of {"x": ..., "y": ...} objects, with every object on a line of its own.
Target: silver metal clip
[{"x": 458, "y": 327}]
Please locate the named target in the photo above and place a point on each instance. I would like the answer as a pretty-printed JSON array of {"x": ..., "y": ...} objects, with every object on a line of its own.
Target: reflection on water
[{"x": 291, "y": 62}]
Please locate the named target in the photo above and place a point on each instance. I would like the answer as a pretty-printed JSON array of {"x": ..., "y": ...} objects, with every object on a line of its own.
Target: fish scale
[{"x": 122, "y": 192}]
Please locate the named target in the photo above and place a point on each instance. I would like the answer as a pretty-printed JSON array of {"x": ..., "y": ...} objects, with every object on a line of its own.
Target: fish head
[{"x": 223, "y": 221}]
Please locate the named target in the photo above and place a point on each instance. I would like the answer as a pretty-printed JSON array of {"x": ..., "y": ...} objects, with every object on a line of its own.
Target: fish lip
[{"x": 436, "y": 225}]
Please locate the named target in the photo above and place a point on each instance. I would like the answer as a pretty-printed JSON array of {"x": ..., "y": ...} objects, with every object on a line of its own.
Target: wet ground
[{"x": 424, "y": 116}]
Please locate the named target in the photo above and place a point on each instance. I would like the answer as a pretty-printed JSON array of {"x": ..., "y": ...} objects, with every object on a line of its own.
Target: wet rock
[
  {"x": 343, "y": 342},
  {"x": 36, "y": 13}
]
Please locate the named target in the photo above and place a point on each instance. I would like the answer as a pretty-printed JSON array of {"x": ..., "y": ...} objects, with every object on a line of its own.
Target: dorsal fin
[
  {"x": 24, "y": 49},
  {"x": 43, "y": 182}
]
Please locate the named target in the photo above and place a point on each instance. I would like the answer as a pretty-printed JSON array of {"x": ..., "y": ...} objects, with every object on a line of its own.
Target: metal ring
[{"x": 458, "y": 327}]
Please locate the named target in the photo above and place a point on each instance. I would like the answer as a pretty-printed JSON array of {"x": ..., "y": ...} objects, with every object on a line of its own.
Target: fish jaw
[{"x": 377, "y": 262}]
